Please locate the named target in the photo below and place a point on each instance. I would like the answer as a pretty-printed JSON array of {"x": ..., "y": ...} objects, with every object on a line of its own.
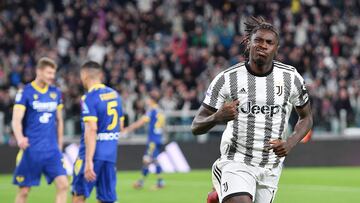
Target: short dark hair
[
  {"x": 91, "y": 65},
  {"x": 254, "y": 24}
]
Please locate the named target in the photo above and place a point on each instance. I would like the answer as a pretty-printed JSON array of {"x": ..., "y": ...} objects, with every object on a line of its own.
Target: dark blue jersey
[
  {"x": 156, "y": 120},
  {"x": 39, "y": 122},
  {"x": 103, "y": 105}
]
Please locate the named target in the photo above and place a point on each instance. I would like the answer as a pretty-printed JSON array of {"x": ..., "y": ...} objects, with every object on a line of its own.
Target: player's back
[
  {"x": 156, "y": 124},
  {"x": 103, "y": 105}
]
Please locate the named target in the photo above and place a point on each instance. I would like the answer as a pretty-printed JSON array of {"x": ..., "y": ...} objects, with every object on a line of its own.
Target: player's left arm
[
  {"x": 90, "y": 146},
  {"x": 137, "y": 124},
  {"x": 302, "y": 127},
  {"x": 60, "y": 127}
]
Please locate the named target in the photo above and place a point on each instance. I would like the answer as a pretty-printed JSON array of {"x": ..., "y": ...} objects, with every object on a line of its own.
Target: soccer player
[
  {"x": 156, "y": 120},
  {"x": 101, "y": 125},
  {"x": 38, "y": 126},
  {"x": 255, "y": 99}
]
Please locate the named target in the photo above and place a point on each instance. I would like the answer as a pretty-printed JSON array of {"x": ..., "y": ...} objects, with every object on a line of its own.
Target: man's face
[
  {"x": 46, "y": 74},
  {"x": 263, "y": 46}
]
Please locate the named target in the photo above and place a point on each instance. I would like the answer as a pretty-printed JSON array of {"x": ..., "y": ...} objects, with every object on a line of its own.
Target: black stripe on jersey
[
  {"x": 250, "y": 130},
  {"x": 216, "y": 90},
  {"x": 234, "y": 96},
  {"x": 284, "y": 66},
  {"x": 287, "y": 90},
  {"x": 238, "y": 65},
  {"x": 299, "y": 89},
  {"x": 270, "y": 100}
]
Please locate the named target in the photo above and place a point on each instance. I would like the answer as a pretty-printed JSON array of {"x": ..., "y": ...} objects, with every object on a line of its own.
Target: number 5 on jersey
[{"x": 111, "y": 111}]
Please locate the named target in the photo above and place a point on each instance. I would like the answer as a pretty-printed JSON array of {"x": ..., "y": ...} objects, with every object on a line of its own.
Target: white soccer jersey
[{"x": 265, "y": 104}]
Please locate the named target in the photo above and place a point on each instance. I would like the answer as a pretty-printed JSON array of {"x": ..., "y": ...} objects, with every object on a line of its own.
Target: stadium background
[{"x": 179, "y": 46}]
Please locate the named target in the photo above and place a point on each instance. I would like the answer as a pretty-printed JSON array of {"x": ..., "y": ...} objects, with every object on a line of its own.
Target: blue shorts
[
  {"x": 31, "y": 164},
  {"x": 153, "y": 150},
  {"x": 105, "y": 180}
]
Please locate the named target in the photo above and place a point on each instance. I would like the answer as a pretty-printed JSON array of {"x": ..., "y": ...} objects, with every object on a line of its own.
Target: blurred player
[
  {"x": 156, "y": 120},
  {"x": 255, "y": 99},
  {"x": 38, "y": 128},
  {"x": 101, "y": 123}
]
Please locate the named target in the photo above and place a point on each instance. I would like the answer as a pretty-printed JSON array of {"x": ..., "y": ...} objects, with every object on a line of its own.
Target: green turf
[{"x": 310, "y": 185}]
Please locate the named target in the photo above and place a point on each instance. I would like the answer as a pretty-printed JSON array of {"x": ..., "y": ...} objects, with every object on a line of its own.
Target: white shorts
[{"x": 232, "y": 178}]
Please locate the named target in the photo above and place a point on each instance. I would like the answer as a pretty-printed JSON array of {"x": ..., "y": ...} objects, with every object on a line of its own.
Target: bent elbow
[{"x": 195, "y": 130}]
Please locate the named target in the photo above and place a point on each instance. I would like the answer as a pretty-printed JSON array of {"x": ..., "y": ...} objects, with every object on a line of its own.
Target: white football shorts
[{"x": 231, "y": 178}]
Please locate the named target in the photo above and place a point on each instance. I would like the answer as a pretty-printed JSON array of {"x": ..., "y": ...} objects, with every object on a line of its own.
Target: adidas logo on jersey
[
  {"x": 242, "y": 91},
  {"x": 249, "y": 108}
]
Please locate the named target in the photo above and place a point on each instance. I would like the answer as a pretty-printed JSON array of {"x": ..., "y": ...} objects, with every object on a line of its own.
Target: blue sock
[
  {"x": 158, "y": 169},
  {"x": 145, "y": 171}
]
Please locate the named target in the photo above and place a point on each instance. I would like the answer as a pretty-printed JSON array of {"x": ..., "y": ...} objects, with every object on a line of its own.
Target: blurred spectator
[{"x": 179, "y": 46}]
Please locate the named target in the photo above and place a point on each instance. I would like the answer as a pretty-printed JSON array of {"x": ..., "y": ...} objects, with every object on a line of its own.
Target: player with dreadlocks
[{"x": 254, "y": 98}]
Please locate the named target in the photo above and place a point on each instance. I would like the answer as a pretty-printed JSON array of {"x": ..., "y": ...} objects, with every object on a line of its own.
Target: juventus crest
[{"x": 279, "y": 90}]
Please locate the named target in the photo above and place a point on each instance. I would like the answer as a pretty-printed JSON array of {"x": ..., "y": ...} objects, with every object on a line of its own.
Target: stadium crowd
[{"x": 178, "y": 46}]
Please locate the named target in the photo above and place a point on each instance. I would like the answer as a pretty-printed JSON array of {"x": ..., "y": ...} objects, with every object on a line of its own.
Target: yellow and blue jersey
[
  {"x": 156, "y": 120},
  {"x": 103, "y": 105},
  {"x": 39, "y": 122}
]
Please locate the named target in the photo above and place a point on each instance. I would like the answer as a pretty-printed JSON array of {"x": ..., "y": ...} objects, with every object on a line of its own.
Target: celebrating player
[
  {"x": 255, "y": 99},
  {"x": 101, "y": 123},
  {"x": 38, "y": 128},
  {"x": 156, "y": 121}
]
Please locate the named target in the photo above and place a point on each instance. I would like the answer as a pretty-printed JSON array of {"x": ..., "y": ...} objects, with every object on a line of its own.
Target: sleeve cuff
[
  {"x": 60, "y": 106},
  {"x": 302, "y": 106},
  {"x": 146, "y": 118},
  {"x": 209, "y": 107},
  {"x": 90, "y": 118},
  {"x": 19, "y": 106}
]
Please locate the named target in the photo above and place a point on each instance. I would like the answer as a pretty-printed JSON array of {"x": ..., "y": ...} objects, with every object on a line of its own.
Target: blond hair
[{"x": 45, "y": 61}]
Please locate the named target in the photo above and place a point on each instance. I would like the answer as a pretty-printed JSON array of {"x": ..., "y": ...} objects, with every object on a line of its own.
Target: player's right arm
[
  {"x": 206, "y": 118},
  {"x": 215, "y": 109},
  {"x": 16, "y": 123}
]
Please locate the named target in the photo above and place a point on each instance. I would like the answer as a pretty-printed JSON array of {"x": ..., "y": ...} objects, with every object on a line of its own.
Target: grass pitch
[{"x": 297, "y": 185}]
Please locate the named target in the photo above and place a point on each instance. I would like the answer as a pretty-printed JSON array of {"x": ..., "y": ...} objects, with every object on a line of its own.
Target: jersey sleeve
[
  {"x": 60, "y": 100},
  {"x": 300, "y": 96},
  {"x": 147, "y": 116},
  {"x": 215, "y": 95},
  {"x": 20, "y": 99},
  {"x": 88, "y": 109},
  {"x": 120, "y": 109}
]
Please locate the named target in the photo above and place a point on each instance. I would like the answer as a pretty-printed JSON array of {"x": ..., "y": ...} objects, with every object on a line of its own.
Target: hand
[
  {"x": 280, "y": 147},
  {"x": 23, "y": 143},
  {"x": 89, "y": 171},
  {"x": 227, "y": 112}
]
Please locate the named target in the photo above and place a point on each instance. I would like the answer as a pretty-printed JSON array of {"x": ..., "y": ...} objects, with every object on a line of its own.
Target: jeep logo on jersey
[{"x": 249, "y": 108}]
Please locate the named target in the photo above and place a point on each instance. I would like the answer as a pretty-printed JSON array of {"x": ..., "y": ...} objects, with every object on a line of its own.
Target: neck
[
  {"x": 260, "y": 69},
  {"x": 40, "y": 83},
  {"x": 91, "y": 83}
]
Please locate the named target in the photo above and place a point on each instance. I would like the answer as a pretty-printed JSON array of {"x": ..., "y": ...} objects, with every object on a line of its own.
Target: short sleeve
[
  {"x": 60, "y": 101},
  {"x": 147, "y": 116},
  {"x": 20, "y": 99},
  {"x": 120, "y": 109},
  {"x": 88, "y": 110},
  {"x": 300, "y": 96},
  {"x": 215, "y": 95}
]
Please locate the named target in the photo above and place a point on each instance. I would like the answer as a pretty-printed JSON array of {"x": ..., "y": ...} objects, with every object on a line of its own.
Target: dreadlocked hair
[{"x": 254, "y": 24}]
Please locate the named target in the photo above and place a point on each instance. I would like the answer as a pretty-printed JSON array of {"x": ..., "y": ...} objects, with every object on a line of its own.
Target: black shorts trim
[
  {"x": 209, "y": 107},
  {"x": 236, "y": 194}
]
